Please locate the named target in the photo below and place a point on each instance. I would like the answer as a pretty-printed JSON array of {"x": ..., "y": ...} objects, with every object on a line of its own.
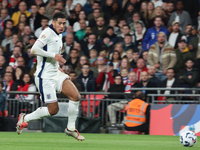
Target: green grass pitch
[{"x": 59, "y": 141}]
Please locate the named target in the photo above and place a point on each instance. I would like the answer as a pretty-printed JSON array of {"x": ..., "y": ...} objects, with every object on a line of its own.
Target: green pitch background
[{"x": 59, "y": 141}]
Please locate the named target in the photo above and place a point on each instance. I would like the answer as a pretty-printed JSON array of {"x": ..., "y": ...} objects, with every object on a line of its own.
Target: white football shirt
[{"x": 47, "y": 67}]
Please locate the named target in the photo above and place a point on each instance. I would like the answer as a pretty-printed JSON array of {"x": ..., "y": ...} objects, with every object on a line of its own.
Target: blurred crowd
[{"x": 109, "y": 45}]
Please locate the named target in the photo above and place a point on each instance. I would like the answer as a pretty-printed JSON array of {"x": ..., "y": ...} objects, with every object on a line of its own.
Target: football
[{"x": 188, "y": 138}]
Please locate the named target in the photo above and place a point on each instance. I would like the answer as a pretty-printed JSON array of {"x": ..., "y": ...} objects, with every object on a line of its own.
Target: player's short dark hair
[
  {"x": 1, "y": 82},
  {"x": 58, "y": 15}
]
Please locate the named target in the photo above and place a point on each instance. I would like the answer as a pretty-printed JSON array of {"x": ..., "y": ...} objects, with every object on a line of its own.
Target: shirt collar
[{"x": 51, "y": 27}]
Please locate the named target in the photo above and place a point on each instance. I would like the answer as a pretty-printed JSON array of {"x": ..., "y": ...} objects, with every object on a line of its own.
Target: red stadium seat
[
  {"x": 84, "y": 103},
  {"x": 131, "y": 132}
]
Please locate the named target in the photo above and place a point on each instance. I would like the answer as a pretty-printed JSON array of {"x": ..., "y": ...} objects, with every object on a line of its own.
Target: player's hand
[{"x": 59, "y": 58}]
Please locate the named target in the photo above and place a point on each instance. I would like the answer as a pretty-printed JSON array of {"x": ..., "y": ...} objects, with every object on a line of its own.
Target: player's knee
[
  {"x": 76, "y": 97},
  {"x": 54, "y": 111}
]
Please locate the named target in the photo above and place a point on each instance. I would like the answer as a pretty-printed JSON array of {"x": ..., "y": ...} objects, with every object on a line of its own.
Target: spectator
[
  {"x": 145, "y": 57},
  {"x": 32, "y": 60},
  {"x": 146, "y": 83},
  {"x": 113, "y": 24},
  {"x": 111, "y": 35},
  {"x": 194, "y": 47},
  {"x": 81, "y": 33},
  {"x": 189, "y": 75},
  {"x": 151, "y": 35},
  {"x": 158, "y": 12},
  {"x": 136, "y": 56},
  {"x": 121, "y": 23},
  {"x": 129, "y": 13},
  {"x": 93, "y": 56},
  {"x": 95, "y": 5},
  {"x": 107, "y": 5},
  {"x": 60, "y": 6},
  {"x": 106, "y": 78},
  {"x": 44, "y": 23},
  {"x": 96, "y": 14},
  {"x": 69, "y": 6},
  {"x": 18, "y": 80},
  {"x": 2, "y": 65},
  {"x": 116, "y": 59},
  {"x": 9, "y": 25},
  {"x": 8, "y": 80},
  {"x": 8, "y": 38},
  {"x": 152, "y": 77},
  {"x": 3, "y": 101},
  {"x": 4, "y": 16},
  {"x": 125, "y": 64},
  {"x": 128, "y": 44},
  {"x": 51, "y": 6},
  {"x": 140, "y": 68},
  {"x": 83, "y": 59},
  {"x": 129, "y": 55},
  {"x": 175, "y": 36},
  {"x": 143, "y": 8},
  {"x": 148, "y": 14},
  {"x": 67, "y": 69},
  {"x": 140, "y": 31},
  {"x": 78, "y": 47},
  {"x": 114, "y": 12},
  {"x": 10, "y": 47},
  {"x": 124, "y": 74},
  {"x": 13, "y": 59},
  {"x": 75, "y": 14},
  {"x": 136, "y": 18},
  {"x": 26, "y": 86},
  {"x": 35, "y": 18},
  {"x": 22, "y": 9},
  {"x": 27, "y": 34},
  {"x": 181, "y": 16},
  {"x": 86, "y": 79},
  {"x": 114, "y": 107},
  {"x": 84, "y": 40},
  {"x": 188, "y": 33},
  {"x": 20, "y": 29},
  {"x": 13, "y": 7},
  {"x": 92, "y": 44},
  {"x": 42, "y": 11},
  {"x": 182, "y": 53},
  {"x": 100, "y": 66},
  {"x": 125, "y": 30},
  {"x": 68, "y": 44},
  {"x": 82, "y": 16},
  {"x": 162, "y": 56},
  {"x": 170, "y": 8},
  {"x": 100, "y": 29},
  {"x": 118, "y": 47},
  {"x": 142, "y": 123},
  {"x": 157, "y": 3},
  {"x": 73, "y": 59},
  {"x": 73, "y": 78},
  {"x": 170, "y": 82}
]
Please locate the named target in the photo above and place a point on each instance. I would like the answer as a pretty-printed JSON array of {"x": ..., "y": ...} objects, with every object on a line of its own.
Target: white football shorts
[{"x": 48, "y": 87}]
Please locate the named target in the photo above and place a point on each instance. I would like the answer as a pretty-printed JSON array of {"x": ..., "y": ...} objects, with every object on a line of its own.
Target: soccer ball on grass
[{"x": 188, "y": 138}]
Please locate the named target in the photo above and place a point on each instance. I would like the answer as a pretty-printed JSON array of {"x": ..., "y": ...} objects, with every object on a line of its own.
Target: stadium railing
[{"x": 94, "y": 105}]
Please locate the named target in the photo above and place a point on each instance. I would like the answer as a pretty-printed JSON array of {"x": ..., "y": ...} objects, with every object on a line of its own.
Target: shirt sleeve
[{"x": 41, "y": 42}]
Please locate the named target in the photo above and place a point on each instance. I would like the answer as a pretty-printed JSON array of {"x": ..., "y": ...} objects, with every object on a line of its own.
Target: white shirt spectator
[
  {"x": 157, "y": 3},
  {"x": 6, "y": 41},
  {"x": 76, "y": 26},
  {"x": 172, "y": 39},
  {"x": 82, "y": 2}
]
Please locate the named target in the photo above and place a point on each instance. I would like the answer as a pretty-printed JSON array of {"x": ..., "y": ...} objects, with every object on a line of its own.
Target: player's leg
[
  {"x": 48, "y": 96},
  {"x": 69, "y": 89}
]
